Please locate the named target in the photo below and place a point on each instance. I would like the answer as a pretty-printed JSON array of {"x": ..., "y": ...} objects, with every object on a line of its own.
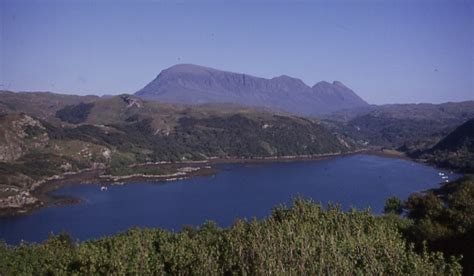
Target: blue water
[{"x": 237, "y": 191}]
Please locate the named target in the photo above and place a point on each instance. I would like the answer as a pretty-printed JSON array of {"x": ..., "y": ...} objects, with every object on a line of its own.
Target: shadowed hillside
[
  {"x": 411, "y": 126},
  {"x": 455, "y": 151}
]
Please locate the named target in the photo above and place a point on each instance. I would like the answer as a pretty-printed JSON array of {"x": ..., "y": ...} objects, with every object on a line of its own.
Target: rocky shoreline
[{"x": 27, "y": 201}]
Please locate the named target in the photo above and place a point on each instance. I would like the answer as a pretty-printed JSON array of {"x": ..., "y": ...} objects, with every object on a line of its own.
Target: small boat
[
  {"x": 446, "y": 181},
  {"x": 440, "y": 174},
  {"x": 103, "y": 188},
  {"x": 444, "y": 177}
]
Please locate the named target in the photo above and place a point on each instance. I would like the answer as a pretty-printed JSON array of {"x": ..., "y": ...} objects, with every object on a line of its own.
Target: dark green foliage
[
  {"x": 125, "y": 137},
  {"x": 421, "y": 206},
  {"x": 196, "y": 139},
  {"x": 461, "y": 137},
  {"x": 455, "y": 151},
  {"x": 305, "y": 239},
  {"x": 410, "y": 126},
  {"x": 393, "y": 205},
  {"x": 75, "y": 114},
  {"x": 394, "y": 132},
  {"x": 443, "y": 220},
  {"x": 239, "y": 136}
]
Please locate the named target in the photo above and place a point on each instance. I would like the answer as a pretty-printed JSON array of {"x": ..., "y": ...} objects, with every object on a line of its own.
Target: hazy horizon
[{"x": 390, "y": 52}]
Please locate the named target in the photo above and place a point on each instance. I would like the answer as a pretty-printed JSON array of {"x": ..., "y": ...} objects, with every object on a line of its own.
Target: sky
[{"x": 386, "y": 51}]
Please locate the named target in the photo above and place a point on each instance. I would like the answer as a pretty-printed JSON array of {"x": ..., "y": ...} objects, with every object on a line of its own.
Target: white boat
[
  {"x": 440, "y": 173},
  {"x": 103, "y": 188},
  {"x": 444, "y": 177}
]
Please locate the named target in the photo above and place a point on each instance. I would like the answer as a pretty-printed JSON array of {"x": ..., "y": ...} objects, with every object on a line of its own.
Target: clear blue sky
[{"x": 387, "y": 51}]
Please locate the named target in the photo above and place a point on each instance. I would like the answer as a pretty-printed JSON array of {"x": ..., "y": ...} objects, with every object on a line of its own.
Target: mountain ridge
[{"x": 195, "y": 84}]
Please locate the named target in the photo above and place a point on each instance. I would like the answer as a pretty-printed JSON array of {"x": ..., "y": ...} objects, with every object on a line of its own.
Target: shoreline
[{"x": 204, "y": 168}]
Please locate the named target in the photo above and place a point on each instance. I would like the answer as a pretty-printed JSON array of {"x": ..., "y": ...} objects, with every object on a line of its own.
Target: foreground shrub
[
  {"x": 303, "y": 239},
  {"x": 441, "y": 219}
]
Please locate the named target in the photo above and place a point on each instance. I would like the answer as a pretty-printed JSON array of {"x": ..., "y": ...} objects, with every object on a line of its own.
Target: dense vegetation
[
  {"x": 240, "y": 136},
  {"x": 441, "y": 219},
  {"x": 199, "y": 138},
  {"x": 305, "y": 239},
  {"x": 392, "y": 132},
  {"x": 410, "y": 126},
  {"x": 461, "y": 137},
  {"x": 455, "y": 151},
  {"x": 75, "y": 114}
]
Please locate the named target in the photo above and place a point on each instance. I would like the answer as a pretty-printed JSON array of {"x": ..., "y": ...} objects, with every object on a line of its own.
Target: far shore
[{"x": 43, "y": 193}]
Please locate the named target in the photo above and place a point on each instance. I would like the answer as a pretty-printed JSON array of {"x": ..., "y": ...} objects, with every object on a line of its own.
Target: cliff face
[{"x": 192, "y": 84}]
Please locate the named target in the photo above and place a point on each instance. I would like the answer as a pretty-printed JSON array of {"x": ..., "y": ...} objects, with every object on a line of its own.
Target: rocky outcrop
[
  {"x": 19, "y": 132},
  {"x": 132, "y": 101},
  {"x": 18, "y": 201}
]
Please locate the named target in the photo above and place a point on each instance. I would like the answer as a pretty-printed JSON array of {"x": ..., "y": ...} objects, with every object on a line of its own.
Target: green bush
[
  {"x": 393, "y": 205},
  {"x": 442, "y": 220}
]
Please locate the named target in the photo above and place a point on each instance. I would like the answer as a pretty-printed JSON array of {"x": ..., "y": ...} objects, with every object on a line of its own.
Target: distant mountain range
[{"x": 193, "y": 84}]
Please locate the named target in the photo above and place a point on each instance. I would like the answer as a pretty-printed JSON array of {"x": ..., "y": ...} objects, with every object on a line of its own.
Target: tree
[{"x": 393, "y": 205}]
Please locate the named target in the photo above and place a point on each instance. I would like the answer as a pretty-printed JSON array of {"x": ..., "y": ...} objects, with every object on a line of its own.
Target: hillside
[
  {"x": 411, "y": 126},
  {"x": 41, "y": 105},
  {"x": 462, "y": 138},
  {"x": 455, "y": 151},
  {"x": 193, "y": 84},
  {"x": 115, "y": 133},
  {"x": 180, "y": 132}
]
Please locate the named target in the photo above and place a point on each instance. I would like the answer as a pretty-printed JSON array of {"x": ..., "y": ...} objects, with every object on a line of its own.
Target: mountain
[{"x": 193, "y": 84}]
